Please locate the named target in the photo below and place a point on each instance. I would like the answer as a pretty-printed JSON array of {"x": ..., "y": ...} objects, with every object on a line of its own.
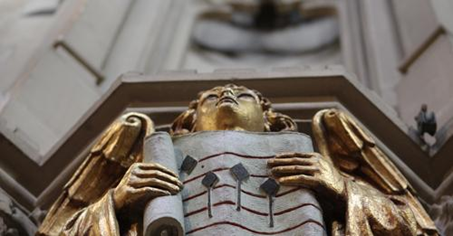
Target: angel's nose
[{"x": 227, "y": 92}]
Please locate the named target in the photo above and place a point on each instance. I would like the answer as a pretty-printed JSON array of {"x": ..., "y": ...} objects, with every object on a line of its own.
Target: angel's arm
[
  {"x": 114, "y": 211},
  {"x": 366, "y": 210},
  {"x": 362, "y": 187}
]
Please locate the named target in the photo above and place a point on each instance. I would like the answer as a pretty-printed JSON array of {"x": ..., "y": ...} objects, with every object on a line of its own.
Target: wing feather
[
  {"x": 341, "y": 140},
  {"x": 120, "y": 146},
  {"x": 346, "y": 141}
]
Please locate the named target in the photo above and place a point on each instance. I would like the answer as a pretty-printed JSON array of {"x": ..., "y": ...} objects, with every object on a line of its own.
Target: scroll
[
  {"x": 228, "y": 188},
  {"x": 163, "y": 215}
]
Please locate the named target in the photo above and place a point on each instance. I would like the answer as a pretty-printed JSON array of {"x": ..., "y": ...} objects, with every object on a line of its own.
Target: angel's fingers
[
  {"x": 294, "y": 169},
  {"x": 289, "y": 161},
  {"x": 156, "y": 183},
  {"x": 152, "y": 192},
  {"x": 298, "y": 180},
  {"x": 155, "y": 166},
  {"x": 158, "y": 174},
  {"x": 287, "y": 123}
]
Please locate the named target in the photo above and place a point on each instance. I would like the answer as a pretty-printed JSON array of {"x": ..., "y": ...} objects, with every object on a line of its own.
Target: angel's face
[{"x": 229, "y": 108}]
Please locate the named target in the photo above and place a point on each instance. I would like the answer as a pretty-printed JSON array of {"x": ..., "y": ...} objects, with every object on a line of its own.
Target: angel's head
[{"x": 231, "y": 107}]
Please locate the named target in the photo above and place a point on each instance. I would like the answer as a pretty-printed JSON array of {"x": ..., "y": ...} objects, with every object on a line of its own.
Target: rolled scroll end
[{"x": 162, "y": 215}]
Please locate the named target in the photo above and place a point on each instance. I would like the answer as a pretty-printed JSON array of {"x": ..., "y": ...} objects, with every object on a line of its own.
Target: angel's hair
[{"x": 273, "y": 121}]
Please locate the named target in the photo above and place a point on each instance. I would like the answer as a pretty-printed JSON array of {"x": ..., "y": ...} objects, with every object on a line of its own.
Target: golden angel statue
[{"x": 359, "y": 190}]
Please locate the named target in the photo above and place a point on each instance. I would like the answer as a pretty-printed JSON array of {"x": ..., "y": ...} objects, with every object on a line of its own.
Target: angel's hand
[
  {"x": 143, "y": 182},
  {"x": 308, "y": 170}
]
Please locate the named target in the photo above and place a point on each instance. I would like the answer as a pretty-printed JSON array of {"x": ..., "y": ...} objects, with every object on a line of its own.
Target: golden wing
[
  {"x": 118, "y": 148},
  {"x": 355, "y": 153}
]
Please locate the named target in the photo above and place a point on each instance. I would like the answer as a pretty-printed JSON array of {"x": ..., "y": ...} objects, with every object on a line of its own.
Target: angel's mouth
[{"x": 227, "y": 100}]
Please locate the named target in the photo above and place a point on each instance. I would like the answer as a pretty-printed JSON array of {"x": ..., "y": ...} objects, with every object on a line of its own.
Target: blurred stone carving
[
  {"x": 426, "y": 121},
  {"x": 426, "y": 124},
  {"x": 13, "y": 221},
  {"x": 265, "y": 33},
  {"x": 268, "y": 27},
  {"x": 442, "y": 213}
]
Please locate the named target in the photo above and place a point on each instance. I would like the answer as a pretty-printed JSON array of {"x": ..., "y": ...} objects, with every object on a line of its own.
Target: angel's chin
[{"x": 228, "y": 108}]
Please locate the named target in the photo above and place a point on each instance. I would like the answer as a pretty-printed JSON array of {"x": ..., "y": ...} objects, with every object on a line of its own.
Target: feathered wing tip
[
  {"x": 120, "y": 146},
  {"x": 341, "y": 140}
]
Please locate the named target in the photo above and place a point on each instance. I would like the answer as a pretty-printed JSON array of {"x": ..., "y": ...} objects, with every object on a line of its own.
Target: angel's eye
[
  {"x": 247, "y": 96},
  {"x": 211, "y": 97}
]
